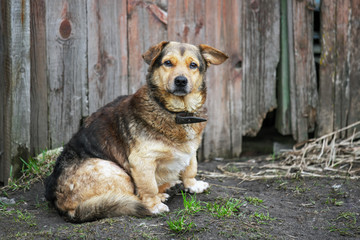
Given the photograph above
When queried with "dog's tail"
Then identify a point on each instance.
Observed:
(108, 205)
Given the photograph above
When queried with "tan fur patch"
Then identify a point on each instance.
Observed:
(93, 178)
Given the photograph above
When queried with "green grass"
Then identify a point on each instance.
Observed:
(345, 224)
(254, 200)
(228, 209)
(334, 201)
(261, 218)
(24, 216)
(181, 225)
(221, 208)
(191, 205)
(19, 216)
(33, 170)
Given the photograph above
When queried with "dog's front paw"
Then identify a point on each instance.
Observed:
(198, 187)
(159, 208)
(163, 196)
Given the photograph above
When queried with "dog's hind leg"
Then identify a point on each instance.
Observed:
(97, 189)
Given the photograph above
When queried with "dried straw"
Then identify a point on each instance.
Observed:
(327, 156)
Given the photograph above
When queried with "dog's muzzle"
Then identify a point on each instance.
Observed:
(181, 86)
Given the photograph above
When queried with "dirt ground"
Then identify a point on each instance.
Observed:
(304, 208)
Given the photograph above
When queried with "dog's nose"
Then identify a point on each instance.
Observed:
(181, 81)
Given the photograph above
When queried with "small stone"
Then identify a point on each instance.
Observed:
(7, 201)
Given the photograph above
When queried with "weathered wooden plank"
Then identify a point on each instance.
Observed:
(233, 66)
(186, 21)
(107, 51)
(282, 122)
(327, 75)
(17, 86)
(217, 137)
(342, 51)
(3, 174)
(354, 65)
(291, 64)
(339, 68)
(66, 33)
(39, 87)
(261, 50)
(145, 29)
(305, 84)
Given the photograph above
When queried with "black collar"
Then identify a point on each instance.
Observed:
(182, 117)
(187, 118)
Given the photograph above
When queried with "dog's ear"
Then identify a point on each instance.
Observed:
(154, 52)
(212, 55)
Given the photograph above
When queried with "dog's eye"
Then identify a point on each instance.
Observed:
(193, 65)
(168, 63)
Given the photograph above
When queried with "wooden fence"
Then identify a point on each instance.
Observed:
(61, 60)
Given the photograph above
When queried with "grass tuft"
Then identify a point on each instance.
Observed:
(182, 225)
(226, 210)
(33, 170)
(191, 205)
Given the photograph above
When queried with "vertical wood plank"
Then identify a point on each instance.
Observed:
(354, 64)
(217, 138)
(292, 85)
(261, 50)
(66, 33)
(339, 68)
(233, 24)
(282, 122)
(107, 51)
(144, 30)
(342, 51)
(39, 87)
(305, 78)
(327, 68)
(3, 174)
(17, 85)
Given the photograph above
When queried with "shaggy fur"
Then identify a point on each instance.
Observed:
(129, 152)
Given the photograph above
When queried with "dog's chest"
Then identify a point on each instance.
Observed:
(179, 159)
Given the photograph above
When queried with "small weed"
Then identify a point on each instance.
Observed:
(227, 210)
(180, 225)
(334, 201)
(299, 190)
(261, 218)
(346, 224)
(24, 217)
(191, 206)
(282, 185)
(254, 200)
(347, 215)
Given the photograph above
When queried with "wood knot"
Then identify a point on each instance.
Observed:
(65, 29)
(254, 5)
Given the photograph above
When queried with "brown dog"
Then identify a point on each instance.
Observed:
(129, 152)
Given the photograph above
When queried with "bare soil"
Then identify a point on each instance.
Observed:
(304, 208)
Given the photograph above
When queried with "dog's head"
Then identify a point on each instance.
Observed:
(177, 73)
